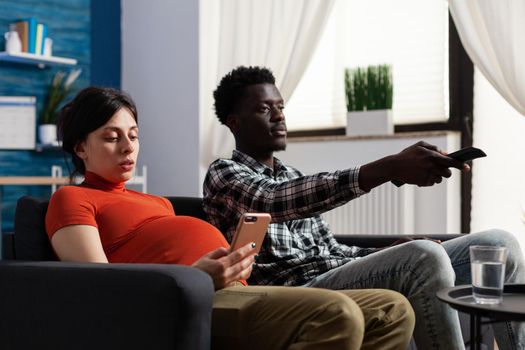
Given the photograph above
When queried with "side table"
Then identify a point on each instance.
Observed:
(512, 308)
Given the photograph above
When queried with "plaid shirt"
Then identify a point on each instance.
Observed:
(299, 245)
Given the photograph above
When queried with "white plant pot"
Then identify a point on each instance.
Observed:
(374, 122)
(47, 134)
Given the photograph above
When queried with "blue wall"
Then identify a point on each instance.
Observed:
(87, 30)
(105, 43)
(69, 25)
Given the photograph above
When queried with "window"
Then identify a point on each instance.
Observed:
(411, 35)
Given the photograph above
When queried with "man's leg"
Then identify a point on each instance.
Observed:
(389, 318)
(416, 269)
(509, 335)
(285, 318)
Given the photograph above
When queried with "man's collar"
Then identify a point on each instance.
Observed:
(245, 159)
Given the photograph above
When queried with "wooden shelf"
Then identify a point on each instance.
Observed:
(38, 60)
(33, 180)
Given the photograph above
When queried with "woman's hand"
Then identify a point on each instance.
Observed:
(225, 268)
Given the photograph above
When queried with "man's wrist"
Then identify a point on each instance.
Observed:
(376, 173)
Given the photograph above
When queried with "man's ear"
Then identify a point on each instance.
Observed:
(80, 150)
(232, 121)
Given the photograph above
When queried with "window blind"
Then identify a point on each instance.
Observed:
(411, 35)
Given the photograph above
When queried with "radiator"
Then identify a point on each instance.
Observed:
(387, 209)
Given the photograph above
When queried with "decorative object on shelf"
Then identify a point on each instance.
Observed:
(369, 95)
(58, 91)
(13, 44)
(48, 47)
(47, 134)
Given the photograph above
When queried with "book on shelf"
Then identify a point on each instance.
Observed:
(31, 41)
(41, 30)
(21, 27)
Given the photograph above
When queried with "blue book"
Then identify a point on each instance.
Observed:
(44, 36)
(31, 31)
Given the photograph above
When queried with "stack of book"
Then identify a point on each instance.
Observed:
(32, 35)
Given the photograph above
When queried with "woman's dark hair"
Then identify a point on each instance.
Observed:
(91, 108)
(233, 86)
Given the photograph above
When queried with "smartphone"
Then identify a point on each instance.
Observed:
(252, 227)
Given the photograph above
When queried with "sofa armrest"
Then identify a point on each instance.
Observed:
(378, 241)
(58, 305)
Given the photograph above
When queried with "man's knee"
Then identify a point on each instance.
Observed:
(495, 237)
(515, 262)
(432, 261)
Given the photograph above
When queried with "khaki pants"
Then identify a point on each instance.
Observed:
(272, 318)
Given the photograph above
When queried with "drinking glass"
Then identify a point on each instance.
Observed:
(487, 265)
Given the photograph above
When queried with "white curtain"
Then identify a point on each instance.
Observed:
(492, 33)
(280, 35)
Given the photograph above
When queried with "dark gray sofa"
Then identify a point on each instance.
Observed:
(46, 304)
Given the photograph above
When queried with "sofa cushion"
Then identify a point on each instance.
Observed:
(31, 241)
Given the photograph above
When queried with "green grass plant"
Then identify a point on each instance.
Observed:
(368, 88)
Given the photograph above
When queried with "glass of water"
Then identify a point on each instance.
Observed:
(488, 272)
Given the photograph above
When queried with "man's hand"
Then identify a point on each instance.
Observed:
(224, 268)
(421, 164)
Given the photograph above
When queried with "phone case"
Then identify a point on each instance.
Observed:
(252, 227)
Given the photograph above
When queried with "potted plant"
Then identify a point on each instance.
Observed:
(58, 90)
(369, 94)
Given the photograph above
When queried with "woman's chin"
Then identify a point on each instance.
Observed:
(121, 177)
(126, 176)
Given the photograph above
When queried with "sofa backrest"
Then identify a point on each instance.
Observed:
(188, 206)
(30, 237)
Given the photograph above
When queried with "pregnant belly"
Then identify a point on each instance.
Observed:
(169, 240)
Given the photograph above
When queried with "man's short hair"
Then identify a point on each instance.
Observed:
(233, 87)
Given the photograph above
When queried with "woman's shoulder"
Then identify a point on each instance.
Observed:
(69, 195)
(70, 190)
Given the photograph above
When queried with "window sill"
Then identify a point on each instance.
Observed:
(397, 135)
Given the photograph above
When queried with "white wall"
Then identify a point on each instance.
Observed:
(437, 208)
(160, 69)
(498, 183)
